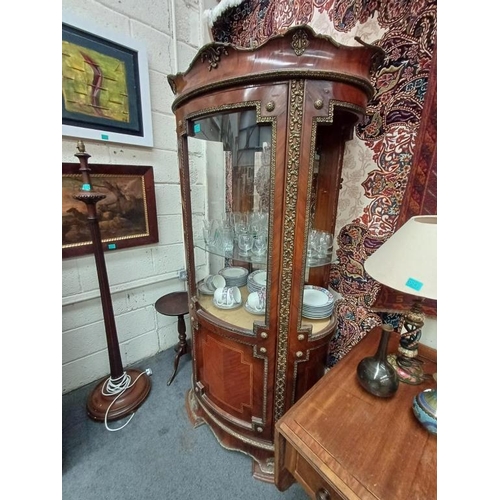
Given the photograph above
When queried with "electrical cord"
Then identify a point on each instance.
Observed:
(118, 386)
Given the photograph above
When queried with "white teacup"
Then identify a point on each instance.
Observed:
(257, 300)
(214, 281)
(227, 296)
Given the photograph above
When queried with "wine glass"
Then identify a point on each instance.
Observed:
(325, 245)
(260, 243)
(245, 242)
(208, 232)
(313, 246)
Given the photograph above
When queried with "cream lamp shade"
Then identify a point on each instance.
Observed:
(407, 261)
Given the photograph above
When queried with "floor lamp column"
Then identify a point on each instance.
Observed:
(123, 391)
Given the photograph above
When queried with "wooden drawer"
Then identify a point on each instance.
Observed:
(312, 480)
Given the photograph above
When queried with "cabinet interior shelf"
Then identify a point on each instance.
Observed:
(235, 254)
(241, 318)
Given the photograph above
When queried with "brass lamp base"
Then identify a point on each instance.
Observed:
(408, 370)
(405, 363)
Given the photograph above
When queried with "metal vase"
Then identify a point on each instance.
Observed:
(375, 374)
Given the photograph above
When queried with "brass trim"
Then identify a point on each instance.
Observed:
(300, 42)
(295, 115)
(277, 75)
(318, 103)
(213, 55)
(264, 388)
(237, 435)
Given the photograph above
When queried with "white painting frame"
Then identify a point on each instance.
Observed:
(103, 129)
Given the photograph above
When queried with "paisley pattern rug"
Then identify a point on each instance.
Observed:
(379, 162)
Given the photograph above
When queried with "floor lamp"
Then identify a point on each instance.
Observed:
(123, 391)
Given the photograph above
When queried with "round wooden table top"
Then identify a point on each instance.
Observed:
(173, 304)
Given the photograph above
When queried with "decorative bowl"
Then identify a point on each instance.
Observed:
(425, 409)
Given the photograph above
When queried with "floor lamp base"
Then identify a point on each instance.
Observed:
(126, 403)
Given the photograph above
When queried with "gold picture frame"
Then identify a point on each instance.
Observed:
(127, 215)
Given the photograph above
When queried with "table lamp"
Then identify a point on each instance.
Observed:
(407, 262)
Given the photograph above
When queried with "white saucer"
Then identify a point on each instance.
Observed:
(251, 310)
(202, 287)
(218, 306)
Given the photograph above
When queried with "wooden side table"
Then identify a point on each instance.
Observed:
(341, 442)
(176, 304)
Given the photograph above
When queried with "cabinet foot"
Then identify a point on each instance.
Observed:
(263, 470)
(193, 410)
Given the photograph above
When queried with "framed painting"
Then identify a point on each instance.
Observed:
(105, 86)
(127, 215)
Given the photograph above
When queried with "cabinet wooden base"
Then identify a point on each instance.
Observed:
(261, 452)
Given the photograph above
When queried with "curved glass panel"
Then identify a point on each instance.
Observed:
(317, 298)
(229, 157)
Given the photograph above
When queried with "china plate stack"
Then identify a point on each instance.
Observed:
(234, 276)
(256, 281)
(317, 302)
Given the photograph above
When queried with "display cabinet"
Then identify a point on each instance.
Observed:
(261, 136)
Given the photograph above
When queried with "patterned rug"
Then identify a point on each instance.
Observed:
(390, 165)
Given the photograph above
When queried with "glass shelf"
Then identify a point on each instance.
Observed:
(252, 258)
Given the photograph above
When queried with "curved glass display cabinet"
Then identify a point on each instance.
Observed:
(261, 136)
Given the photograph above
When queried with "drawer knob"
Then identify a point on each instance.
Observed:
(322, 494)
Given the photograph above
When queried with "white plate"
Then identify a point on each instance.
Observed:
(316, 296)
(258, 278)
(233, 272)
(305, 315)
(218, 306)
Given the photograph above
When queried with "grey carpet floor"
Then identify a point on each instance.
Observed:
(158, 455)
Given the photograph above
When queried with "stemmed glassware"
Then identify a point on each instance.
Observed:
(209, 233)
(325, 245)
(245, 230)
(240, 222)
(319, 246)
(245, 243)
(260, 243)
(312, 246)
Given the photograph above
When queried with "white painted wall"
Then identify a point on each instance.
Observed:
(172, 31)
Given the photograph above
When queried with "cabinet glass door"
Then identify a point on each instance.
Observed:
(229, 157)
(317, 299)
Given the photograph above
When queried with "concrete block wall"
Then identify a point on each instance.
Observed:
(172, 31)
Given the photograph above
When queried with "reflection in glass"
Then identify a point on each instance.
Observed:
(229, 163)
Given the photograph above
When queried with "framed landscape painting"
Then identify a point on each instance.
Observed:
(127, 215)
(105, 86)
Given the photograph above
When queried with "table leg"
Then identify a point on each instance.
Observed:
(182, 346)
